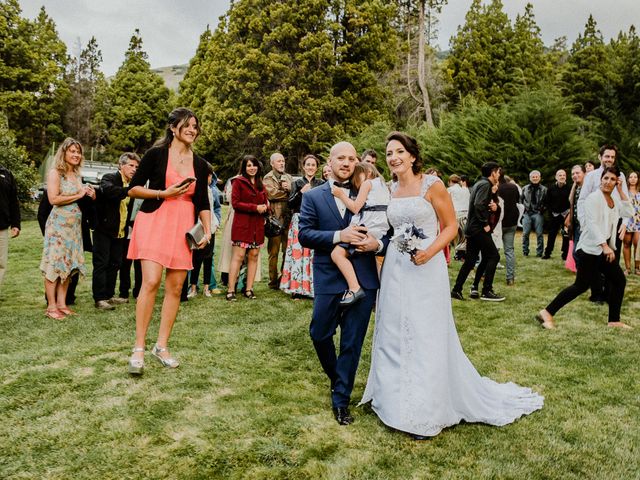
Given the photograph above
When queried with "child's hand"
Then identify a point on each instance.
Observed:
(338, 192)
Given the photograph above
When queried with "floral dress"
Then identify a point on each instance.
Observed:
(62, 255)
(633, 224)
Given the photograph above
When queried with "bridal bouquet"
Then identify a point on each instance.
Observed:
(408, 238)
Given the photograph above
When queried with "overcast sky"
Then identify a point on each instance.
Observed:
(171, 29)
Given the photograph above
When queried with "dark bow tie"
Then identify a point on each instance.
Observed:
(346, 185)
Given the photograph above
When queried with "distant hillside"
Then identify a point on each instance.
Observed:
(172, 75)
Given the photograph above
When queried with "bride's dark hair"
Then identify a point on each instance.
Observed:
(411, 145)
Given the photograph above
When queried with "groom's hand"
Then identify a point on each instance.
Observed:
(353, 234)
(369, 244)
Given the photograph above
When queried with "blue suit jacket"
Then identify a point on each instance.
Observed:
(319, 220)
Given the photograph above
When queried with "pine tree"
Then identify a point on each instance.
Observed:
(84, 78)
(531, 65)
(589, 79)
(134, 107)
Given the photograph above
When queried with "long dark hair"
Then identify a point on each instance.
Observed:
(243, 170)
(410, 144)
(177, 119)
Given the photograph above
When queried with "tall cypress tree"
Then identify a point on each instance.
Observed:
(134, 107)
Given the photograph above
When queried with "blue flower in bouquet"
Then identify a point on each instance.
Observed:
(408, 238)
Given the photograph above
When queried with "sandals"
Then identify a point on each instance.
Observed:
(54, 314)
(167, 362)
(231, 296)
(67, 311)
(136, 365)
(250, 295)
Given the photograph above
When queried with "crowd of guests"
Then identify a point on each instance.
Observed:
(139, 216)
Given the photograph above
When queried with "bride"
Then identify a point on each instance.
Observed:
(420, 380)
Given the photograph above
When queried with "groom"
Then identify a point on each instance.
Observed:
(324, 222)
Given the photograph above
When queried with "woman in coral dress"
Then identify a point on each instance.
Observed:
(175, 196)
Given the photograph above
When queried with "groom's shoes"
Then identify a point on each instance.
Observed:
(342, 415)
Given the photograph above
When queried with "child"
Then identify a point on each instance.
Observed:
(369, 210)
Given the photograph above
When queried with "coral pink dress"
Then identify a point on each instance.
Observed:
(160, 236)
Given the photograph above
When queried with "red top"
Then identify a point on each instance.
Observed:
(248, 224)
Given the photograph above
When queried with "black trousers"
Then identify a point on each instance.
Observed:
(125, 274)
(107, 257)
(476, 244)
(589, 267)
(555, 225)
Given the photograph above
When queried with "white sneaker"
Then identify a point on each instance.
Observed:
(192, 294)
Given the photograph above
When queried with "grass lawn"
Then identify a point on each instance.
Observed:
(250, 399)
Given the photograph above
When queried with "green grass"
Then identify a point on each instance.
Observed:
(250, 400)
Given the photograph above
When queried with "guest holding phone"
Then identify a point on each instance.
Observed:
(174, 198)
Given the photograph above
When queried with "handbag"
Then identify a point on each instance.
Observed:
(272, 226)
(195, 235)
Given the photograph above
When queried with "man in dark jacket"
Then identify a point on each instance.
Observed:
(109, 236)
(534, 200)
(478, 233)
(558, 208)
(9, 215)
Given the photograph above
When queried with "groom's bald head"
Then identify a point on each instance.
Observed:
(342, 159)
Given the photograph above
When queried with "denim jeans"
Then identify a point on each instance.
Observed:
(508, 236)
(535, 221)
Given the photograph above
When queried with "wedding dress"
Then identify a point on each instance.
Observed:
(420, 380)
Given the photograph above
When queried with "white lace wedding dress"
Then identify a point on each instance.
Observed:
(420, 379)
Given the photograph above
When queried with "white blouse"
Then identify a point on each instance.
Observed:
(599, 222)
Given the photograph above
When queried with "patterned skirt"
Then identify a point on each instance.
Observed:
(297, 276)
(62, 255)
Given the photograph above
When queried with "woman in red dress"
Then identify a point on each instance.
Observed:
(174, 198)
(249, 202)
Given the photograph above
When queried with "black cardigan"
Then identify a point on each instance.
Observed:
(295, 198)
(153, 168)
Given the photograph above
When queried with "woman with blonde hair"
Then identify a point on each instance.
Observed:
(62, 256)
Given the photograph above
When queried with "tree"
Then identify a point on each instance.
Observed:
(418, 24)
(134, 107)
(493, 60)
(289, 76)
(32, 86)
(589, 79)
(14, 157)
(84, 78)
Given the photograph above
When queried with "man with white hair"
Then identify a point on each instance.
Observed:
(533, 198)
(278, 186)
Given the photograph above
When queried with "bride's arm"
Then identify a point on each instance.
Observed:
(440, 199)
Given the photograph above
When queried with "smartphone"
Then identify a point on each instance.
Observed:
(187, 181)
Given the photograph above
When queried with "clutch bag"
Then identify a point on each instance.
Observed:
(195, 236)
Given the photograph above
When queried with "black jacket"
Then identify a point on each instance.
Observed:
(295, 198)
(153, 168)
(510, 196)
(479, 199)
(558, 198)
(111, 193)
(9, 206)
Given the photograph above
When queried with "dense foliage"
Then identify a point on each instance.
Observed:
(14, 157)
(297, 76)
(133, 108)
(293, 78)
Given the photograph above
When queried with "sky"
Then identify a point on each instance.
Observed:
(171, 29)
